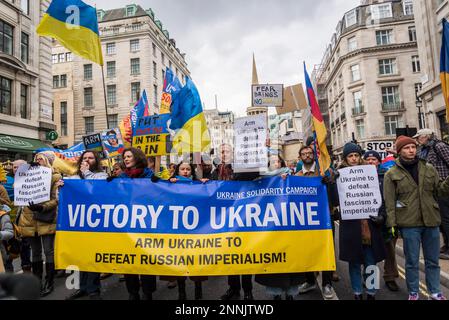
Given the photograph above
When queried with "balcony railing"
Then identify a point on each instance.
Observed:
(358, 110)
(394, 106)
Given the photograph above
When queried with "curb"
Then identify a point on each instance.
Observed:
(444, 277)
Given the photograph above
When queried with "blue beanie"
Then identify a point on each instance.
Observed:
(351, 147)
(372, 153)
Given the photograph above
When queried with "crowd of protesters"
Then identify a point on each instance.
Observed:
(415, 207)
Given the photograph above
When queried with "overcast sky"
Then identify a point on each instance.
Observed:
(220, 36)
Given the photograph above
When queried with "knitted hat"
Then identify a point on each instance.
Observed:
(403, 141)
(351, 147)
(372, 154)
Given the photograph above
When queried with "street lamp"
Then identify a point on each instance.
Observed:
(419, 106)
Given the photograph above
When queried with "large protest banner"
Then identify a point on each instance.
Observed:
(359, 192)
(32, 184)
(218, 228)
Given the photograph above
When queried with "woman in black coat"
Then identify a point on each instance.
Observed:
(360, 241)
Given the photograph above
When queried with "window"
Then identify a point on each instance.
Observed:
(24, 47)
(384, 37)
(54, 58)
(89, 125)
(387, 66)
(135, 66)
(63, 118)
(112, 95)
(136, 26)
(351, 18)
(391, 123)
(155, 70)
(381, 11)
(412, 33)
(68, 57)
(55, 81)
(129, 11)
(134, 45)
(63, 81)
(5, 95)
(390, 98)
(358, 106)
(416, 65)
(352, 44)
(408, 7)
(88, 72)
(154, 50)
(340, 82)
(25, 6)
(360, 128)
(163, 58)
(163, 74)
(88, 99)
(355, 72)
(24, 101)
(155, 92)
(170, 65)
(110, 48)
(113, 121)
(110, 69)
(61, 58)
(135, 91)
(6, 36)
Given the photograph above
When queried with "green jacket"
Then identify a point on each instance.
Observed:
(409, 205)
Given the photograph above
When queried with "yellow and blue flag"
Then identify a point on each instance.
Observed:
(444, 66)
(188, 121)
(74, 24)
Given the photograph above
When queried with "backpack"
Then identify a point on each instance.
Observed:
(13, 246)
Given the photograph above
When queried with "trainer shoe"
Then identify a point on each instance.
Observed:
(437, 296)
(444, 255)
(306, 287)
(392, 286)
(328, 292)
(413, 297)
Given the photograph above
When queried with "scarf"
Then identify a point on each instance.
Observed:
(134, 173)
(412, 168)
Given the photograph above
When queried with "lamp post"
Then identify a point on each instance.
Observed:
(419, 106)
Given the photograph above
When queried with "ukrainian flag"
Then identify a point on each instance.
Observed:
(324, 159)
(444, 65)
(188, 121)
(74, 24)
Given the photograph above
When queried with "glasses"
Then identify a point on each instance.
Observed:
(306, 154)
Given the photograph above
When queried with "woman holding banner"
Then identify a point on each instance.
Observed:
(136, 167)
(361, 241)
(38, 222)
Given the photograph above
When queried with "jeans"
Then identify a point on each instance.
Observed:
(355, 272)
(135, 282)
(444, 212)
(48, 243)
(430, 239)
(247, 283)
(90, 282)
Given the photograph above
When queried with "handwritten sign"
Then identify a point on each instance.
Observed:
(32, 184)
(151, 135)
(268, 95)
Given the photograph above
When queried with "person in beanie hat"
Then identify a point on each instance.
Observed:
(410, 188)
(372, 154)
(361, 242)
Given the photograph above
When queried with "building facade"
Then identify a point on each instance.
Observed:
(26, 114)
(221, 128)
(137, 50)
(371, 72)
(428, 17)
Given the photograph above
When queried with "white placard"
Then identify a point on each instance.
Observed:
(250, 143)
(268, 95)
(359, 192)
(379, 146)
(32, 184)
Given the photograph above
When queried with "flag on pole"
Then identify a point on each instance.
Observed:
(141, 109)
(74, 24)
(172, 85)
(188, 121)
(444, 66)
(319, 127)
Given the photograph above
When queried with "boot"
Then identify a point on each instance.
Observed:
(182, 295)
(198, 290)
(38, 269)
(49, 279)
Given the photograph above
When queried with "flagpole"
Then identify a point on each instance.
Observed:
(105, 99)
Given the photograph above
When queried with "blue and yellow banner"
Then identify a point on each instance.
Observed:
(74, 24)
(189, 228)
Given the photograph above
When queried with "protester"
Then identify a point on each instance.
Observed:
(118, 168)
(6, 228)
(136, 167)
(38, 223)
(279, 284)
(436, 152)
(391, 272)
(89, 168)
(171, 169)
(361, 242)
(204, 170)
(410, 188)
(185, 172)
(310, 169)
